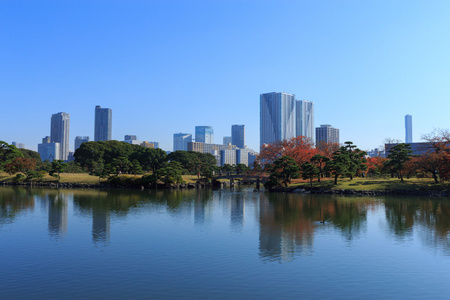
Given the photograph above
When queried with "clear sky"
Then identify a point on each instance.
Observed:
(166, 66)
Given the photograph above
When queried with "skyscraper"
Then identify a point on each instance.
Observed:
(277, 117)
(103, 124)
(305, 119)
(80, 140)
(408, 129)
(204, 134)
(181, 140)
(327, 134)
(59, 133)
(238, 136)
(226, 140)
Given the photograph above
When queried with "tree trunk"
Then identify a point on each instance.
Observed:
(335, 179)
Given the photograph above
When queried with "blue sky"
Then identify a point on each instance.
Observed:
(166, 66)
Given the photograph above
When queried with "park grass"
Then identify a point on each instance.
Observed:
(375, 184)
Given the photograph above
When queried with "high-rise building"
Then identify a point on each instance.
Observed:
(80, 140)
(59, 133)
(103, 124)
(238, 136)
(130, 137)
(46, 140)
(204, 134)
(305, 119)
(227, 140)
(277, 117)
(18, 145)
(181, 140)
(327, 134)
(408, 129)
(49, 151)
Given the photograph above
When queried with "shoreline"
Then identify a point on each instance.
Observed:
(217, 184)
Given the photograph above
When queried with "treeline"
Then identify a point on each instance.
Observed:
(109, 158)
(295, 158)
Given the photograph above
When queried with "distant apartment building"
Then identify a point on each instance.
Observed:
(408, 129)
(80, 140)
(327, 133)
(242, 156)
(59, 133)
(376, 152)
(416, 148)
(18, 145)
(131, 139)
(103, 124)
(196, 147)
(49, 151)
(181, 140)
(305, 119)
(227, 140)
(227, 157)
(146, 144)
(204, 134)
(238, 136)
(155, 144)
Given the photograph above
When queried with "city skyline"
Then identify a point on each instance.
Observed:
(364, 64)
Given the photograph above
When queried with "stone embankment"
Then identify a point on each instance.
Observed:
(428, 193)
(198, 184)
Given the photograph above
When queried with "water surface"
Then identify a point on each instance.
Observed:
(120, 244)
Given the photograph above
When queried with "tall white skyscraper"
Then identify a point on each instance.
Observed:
(103, 124)
(305, 119)
(59, 133)
(408, 129)
(277, 117)
(181, 140)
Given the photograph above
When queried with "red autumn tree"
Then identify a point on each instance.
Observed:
(299, 148)
(376, 165)
(21, 164)
(327, 149)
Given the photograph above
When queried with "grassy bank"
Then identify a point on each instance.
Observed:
(375, 184)
(82, 178)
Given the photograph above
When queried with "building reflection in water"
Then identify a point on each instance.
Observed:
(203, 208)
(284, 233)
(57, 213)
(101, 217)
(237, 212)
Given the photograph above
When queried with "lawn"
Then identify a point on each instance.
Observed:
(373, 184)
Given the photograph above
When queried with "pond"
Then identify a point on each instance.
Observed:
(221, 244)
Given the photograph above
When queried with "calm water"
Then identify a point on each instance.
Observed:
(72, 244)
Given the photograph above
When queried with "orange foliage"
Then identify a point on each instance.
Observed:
(299, 148)
(327, 149)
(375, 164)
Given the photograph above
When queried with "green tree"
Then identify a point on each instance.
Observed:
(339, 163)
(284, 169)
(309, 170)
(8, 153)
(136, 167)
(57, 168)
(356, 159)
(241, 168)
(171, 173)
(121, 165)
(320, 162)
(398, 156)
